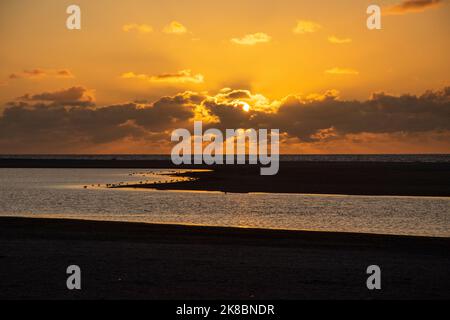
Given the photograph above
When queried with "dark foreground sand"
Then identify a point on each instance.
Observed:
(141, 261)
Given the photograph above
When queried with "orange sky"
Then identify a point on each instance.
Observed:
(142, 51)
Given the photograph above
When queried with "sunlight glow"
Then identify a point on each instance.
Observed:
(245, 106)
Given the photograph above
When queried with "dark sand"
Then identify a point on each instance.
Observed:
(352, 178)
(142, 261)
(355, 178)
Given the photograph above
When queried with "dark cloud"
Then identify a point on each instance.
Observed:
(381, 114)
(309, 119)
(238, 94)
(75, 96)
(65, 124)
(58, 121)
(407, 6)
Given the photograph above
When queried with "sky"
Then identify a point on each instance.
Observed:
(139, 69)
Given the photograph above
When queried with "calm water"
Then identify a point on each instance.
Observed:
(60, 193)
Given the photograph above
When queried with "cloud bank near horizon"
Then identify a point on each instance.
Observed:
(68, 121)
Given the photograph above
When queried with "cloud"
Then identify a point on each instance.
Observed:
(336, 40)
(175, 28)
(57, 122)
(181, 77)
(140, 28)
(252, 39)
(412, 6)
(75, 96)
(305, 26)
(382, 114)
(314, 118)
(341, 71)
(33, 126)
(42, 73)
(324, 134)
(372, 143)
(64, 73)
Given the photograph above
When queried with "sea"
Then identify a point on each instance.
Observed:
(82, 194)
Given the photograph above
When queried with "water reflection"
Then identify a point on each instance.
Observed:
(60, 193)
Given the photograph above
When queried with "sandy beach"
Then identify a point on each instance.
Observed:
(143, 261)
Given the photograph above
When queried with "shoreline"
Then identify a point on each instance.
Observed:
(306, 177)
(196, 228)
(231, 229)
(153, 261)
(321, 178)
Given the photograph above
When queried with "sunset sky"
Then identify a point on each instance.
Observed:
(140, 68)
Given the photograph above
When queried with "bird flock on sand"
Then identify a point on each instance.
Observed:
(144, 182)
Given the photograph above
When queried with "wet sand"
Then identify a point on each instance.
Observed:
(349, 178)
(144, 261)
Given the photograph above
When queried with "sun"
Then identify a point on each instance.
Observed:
(245, 107)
